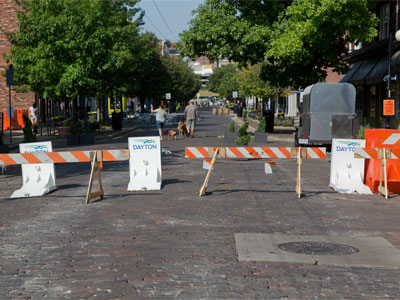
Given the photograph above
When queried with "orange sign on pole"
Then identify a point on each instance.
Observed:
(388, 107)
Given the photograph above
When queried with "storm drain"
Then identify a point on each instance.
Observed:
(318, 248)
(366, 251)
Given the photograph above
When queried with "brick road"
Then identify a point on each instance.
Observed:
(172, 244)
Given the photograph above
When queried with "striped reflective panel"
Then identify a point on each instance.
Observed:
(372, 153)
(255, 152)
(61, 157)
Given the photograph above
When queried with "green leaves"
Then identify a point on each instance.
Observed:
(295, 40)
(68, 47)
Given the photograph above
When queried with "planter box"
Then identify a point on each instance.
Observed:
(4, 148)
(73, 139)
(261, 137)
(62, 132)
(86, 139)
(230, 137)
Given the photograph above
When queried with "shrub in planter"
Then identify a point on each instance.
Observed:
(243, 136)
(230, 135)
(73, 137)
(244, 115)
(63, 130)
(87, 137)
(261, 136)
(361, 131)
(29, 137)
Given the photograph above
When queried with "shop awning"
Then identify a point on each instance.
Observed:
(370, 71)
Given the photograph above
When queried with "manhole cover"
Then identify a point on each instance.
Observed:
(318, 248)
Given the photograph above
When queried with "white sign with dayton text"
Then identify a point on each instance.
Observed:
(144, 163)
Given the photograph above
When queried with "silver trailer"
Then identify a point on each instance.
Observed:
(327, 111)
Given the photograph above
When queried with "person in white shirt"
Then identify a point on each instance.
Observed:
(161, 115)
(33, 116)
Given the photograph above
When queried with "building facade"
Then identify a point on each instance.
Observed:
(370, 69)
(8, 22)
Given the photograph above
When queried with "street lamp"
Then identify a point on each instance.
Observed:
(388, 78)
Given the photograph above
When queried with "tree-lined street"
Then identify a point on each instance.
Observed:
(172, 244)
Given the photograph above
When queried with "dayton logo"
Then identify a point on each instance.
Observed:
(348, 146)
(145, 145)
(36, 148)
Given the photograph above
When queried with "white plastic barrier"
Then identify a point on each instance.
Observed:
(347, 173)
(37, 179)
(144, 163)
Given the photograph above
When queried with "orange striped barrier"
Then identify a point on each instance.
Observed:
(96, 157)
(255, 152)
(376, 153)
(62, 157)
(383, 154)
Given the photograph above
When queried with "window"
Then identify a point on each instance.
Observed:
(384, 19)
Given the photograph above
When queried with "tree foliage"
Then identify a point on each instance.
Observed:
(224, 80)
(250, 83)
(295, 40)
(184, 84)
(66, 48)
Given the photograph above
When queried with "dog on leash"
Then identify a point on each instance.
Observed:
(171, 134)
(182, 129)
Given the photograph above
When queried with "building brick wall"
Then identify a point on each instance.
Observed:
(8, 21)
(332, 77)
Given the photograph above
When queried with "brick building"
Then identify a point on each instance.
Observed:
(8, 21)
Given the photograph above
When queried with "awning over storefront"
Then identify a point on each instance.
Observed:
(370, 71)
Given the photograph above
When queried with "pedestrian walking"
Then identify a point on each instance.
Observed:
(33, 116)
(161, 115)
(191, 115)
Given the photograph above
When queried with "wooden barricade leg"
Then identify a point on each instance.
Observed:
(300, 154)
(205, 184)
(298, 179)
(96, 164)
(383, 189)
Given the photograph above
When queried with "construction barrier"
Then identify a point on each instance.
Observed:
(144, 163)
(16, 121)
(47, 178)
(254, 152)
(347, 173)
(382, 138)
(382, 154)
(38, 179)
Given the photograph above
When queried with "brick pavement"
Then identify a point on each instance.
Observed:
(171, 244)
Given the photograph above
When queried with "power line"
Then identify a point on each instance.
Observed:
(162, 17)
(154, 25)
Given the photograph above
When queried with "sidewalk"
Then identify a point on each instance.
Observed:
(105, 133)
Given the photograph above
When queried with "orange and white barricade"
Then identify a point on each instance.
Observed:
(48, 179)
(255, 152)
(382, 154)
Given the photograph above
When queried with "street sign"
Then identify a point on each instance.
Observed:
(10, 112)
(168, 96)
(388, 107)
(234, 94)
(10, 75)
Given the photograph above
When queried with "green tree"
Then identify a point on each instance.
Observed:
(184, 83)
(224, 80)
(251, 84)
(296, 40)
(66, 48)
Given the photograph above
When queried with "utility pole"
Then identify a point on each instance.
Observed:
(10, 82)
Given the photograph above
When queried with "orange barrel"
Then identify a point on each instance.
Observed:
(6, 121)
(20, 120)
(382, 138)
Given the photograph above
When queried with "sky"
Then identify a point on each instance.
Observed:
(176, 13)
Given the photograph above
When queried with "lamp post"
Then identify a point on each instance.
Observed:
(388, 78)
